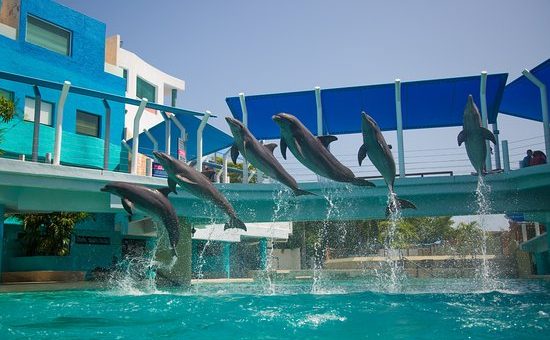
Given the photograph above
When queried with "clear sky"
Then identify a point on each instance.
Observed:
(221, 48)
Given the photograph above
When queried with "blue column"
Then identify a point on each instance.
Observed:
(263, 253)
(227, 259)
(1, 237)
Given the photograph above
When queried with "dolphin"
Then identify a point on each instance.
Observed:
(153, 202)
(375, 146)
(260, 156)
(473, 134)
(313, 151)
(198, 185)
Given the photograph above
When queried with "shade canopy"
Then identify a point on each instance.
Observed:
(425, 104)
(212, 141)
(522, 98)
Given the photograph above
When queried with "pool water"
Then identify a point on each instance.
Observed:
(421, 309)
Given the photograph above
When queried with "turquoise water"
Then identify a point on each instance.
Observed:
(352, 309)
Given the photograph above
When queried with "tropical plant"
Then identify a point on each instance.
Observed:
(49, 234)
(7, 109)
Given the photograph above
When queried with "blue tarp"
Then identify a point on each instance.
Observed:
(425, 104)
(522, 98)
(213, 139)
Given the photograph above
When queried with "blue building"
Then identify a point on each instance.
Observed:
(45, 40)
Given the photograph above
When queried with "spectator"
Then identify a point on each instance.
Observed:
(538, 158)
(527, 159)
(209, 172)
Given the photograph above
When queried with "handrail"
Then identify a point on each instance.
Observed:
(421, 174)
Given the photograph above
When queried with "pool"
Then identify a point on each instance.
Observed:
(422, 309)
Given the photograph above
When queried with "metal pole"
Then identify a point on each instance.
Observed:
(496, 132)
(152, 139)
(399, 120)
(245, 123)
(225, 178)
(128, 148)
(544, 106)
(199, 139)
(183, 133)
(59, 123)
(107, 139)
(505, 156)
(319, 111)
(167, 132)
(483, 97)
(135, 135)
(36, 131)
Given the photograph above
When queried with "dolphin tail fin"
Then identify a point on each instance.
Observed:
(402, 204)
(234, 222)
(300, 192)
(362, 182)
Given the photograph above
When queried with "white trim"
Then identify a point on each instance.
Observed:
(113, 69)
(8, 31)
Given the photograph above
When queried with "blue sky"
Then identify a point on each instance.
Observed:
(221, 48)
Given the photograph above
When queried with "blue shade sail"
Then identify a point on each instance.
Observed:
(213, 139)
(425, 104)
(522, 98)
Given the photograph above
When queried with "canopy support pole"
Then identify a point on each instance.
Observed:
(59, 123)
(245, 123)
(135, 136)
(505, 156)
(199, 140)
(36, 131)
(107, 137)
(167, 132)
(544, 106)
(152, 139)
(399, 120)
(225, 178)
(128, 148)
(483, 97)
(319, 111)
(183, 133)
(496, 132)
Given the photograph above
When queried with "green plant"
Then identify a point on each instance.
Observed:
(7, 109)
(49, 234)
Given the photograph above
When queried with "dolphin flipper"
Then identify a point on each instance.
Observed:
(128, 206)
(283, 148)
(234, 153)
(487, 134)
(362, 153)
(271, 146)
(362, 182)
(326, 140)
(185, 179)
(165, 191)
(300, 192)
(234, 222)
(172, 185)
(461, 138)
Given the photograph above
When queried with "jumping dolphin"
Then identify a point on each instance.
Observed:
(198, 185)
(312, 151)
(473, 134)
(260, 156)
(375, 146)
(153, 202)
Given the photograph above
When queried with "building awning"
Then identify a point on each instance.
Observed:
(213, 139)
(522, 98)
(425, 104)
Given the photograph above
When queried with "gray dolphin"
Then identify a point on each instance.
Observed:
(375, 146)
(153, 202)
(473, 134)
(198, 185)
(260, 156)
(313, 151)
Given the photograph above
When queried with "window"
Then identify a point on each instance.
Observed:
(146, 90)
(9, 95)
(46, 111)
(125, 76)
(49, 36)
(87, 124)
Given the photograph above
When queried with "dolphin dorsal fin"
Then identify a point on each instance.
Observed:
(326, 140)
(165, 191)
(234, 153)
(283, 148)
(128, 206)
(271, 146)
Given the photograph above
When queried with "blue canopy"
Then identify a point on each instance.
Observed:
(522, 98)
(425, 104)
(212, 141)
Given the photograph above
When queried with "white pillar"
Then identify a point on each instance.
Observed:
(199, 139)
(496, 132)
(399, 120)
(505, 156)
(544, 106)
(183, 133)
(537, 229)
(483, 97)
(523, 232)
(135, 142)
(319, 111)
(129, 149)
(59, 123)
(245, 123)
